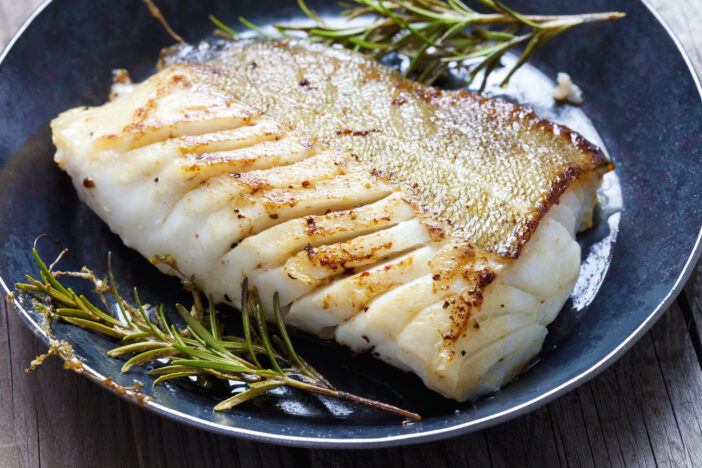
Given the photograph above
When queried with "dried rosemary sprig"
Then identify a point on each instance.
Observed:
(436, 33)
(200, 349)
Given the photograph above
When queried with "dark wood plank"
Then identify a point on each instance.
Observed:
(365, 458)
(162, 442)
(570, 430)
(470, 450)
(56, 417)
(683, 381)
(685, 19)
(12, 15)
(11, 446)
(619, 415)
(527, 441)
(648, 398)
(691, 306)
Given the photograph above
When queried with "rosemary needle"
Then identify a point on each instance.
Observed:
(434, 33)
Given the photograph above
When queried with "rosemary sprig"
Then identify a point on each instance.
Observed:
(200, 349)
(436, 33)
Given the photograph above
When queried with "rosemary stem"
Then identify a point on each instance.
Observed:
(434, 32)
(499, 18)
(408, 415)
(584, 18)
(194, 351)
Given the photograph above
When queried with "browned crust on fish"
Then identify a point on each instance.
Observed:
(507, 113)
(569, 155)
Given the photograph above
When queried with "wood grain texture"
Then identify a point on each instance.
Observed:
(645, 410)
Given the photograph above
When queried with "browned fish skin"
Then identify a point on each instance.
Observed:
(500, 166)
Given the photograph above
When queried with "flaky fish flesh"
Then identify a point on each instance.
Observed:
(435, 229)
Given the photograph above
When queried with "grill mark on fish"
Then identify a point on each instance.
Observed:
(284, 203)
(256, 182)
(245, 159)
(353, 295)
(146, 128)
(372, 281)
(316, 264)
(330, 228)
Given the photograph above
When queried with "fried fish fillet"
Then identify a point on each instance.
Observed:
(434, 229)
(489, 168)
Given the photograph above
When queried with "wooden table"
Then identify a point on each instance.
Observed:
(644, 410)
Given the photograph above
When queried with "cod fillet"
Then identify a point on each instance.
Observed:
(435, 229)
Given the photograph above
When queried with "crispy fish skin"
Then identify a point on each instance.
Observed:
(184, 166)
(501, 167)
